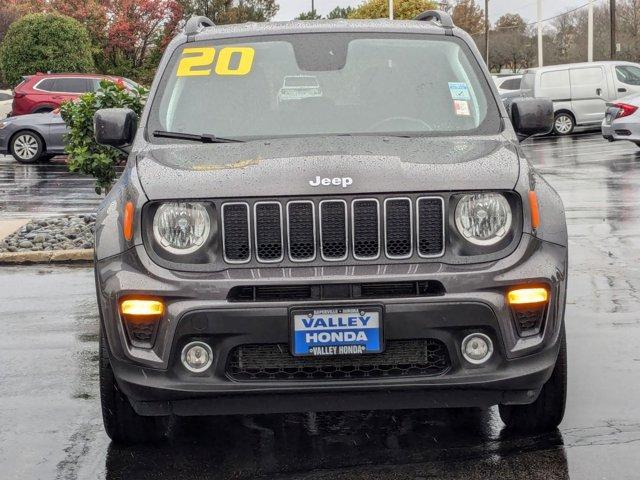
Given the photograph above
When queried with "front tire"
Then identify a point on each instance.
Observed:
(26, 147)
(546, 413)
(563, 123)
(121, 422)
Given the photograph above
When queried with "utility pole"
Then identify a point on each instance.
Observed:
(590, 33)
(486, 32)
(313, 8)
(612, 11)
(390, 9)
(540, 61)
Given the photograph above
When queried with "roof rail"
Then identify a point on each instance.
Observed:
(197, 23)
(437, 16)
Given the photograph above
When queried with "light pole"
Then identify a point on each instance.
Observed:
(390, 9)
(612, 11)
(590, 33)
(540, 61)
(486, 32)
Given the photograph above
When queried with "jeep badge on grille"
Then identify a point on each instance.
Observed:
(337, 181)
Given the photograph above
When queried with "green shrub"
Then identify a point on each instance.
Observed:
(43, 42)
(85, 155)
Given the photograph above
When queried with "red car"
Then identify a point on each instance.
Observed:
(41, 92)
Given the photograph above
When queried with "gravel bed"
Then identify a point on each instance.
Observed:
(53, 233)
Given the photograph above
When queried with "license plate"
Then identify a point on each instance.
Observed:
(336, 331)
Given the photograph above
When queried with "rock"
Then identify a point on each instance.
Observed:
(39, 238)
(25, 244)
(12, 249)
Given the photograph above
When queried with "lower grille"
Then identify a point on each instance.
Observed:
(401, 358)
(334, 291)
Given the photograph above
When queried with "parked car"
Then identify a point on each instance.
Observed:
(580, 91)
(367, 251)
(33, 138)
(507, 83)
(622, 120)
(42, 93)
(297, 87)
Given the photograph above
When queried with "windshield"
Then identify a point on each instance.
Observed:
(324, 84)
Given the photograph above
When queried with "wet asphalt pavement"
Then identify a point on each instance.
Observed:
(50, 425)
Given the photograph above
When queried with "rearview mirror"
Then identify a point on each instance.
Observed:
(531, 116)
(115, 127)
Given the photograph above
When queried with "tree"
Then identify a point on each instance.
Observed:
(339, 12)
(468, 16)
(230, 11)
(311, 15)
(135, 27)
(406, 9)
(8, 14)
(511, 21)
(510, 43)
(44, 42)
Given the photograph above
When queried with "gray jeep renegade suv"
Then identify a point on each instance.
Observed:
(370, 238)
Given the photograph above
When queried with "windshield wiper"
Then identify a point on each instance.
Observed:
(204, 138)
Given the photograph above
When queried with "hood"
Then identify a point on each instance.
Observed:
(360, 165)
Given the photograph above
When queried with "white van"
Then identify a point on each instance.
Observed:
(580, 91)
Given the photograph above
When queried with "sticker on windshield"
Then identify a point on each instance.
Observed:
(459, 91)
(230, 61)
(462, 108)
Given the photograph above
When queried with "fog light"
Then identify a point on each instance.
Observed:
(477, 348)
(197, 357)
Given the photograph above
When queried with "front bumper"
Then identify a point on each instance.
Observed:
(197, 308)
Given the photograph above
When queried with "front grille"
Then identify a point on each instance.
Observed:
(268, 228)
(334, 291)
(401, 358)
(398, 227)
(366, 228)
(333, 230)
(430, 226)
(302, 231)
(235, 236)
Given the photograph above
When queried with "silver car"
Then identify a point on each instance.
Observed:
(33, 138)
(622, 120)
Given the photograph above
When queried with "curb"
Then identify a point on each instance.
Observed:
(49, 256)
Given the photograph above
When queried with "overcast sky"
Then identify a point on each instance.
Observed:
(527, 8)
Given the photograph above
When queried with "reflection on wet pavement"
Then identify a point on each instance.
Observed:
(44, 189)
(50, 425)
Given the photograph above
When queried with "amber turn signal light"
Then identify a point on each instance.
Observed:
(535, 209)
(525, 296)
(141, 307)
(127, 222)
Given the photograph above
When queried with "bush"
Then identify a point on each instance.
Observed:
(404, 10)
(44, 42)
(85, 155)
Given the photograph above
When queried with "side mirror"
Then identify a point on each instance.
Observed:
(531, 116)
(115, 127)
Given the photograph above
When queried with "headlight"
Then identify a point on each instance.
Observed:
(483, 218)
(181, 227)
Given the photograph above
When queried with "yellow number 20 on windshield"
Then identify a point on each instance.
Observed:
(195, 60)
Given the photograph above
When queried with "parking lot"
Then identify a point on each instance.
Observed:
(50, 424)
